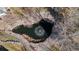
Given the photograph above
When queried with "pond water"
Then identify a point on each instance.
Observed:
(40, 30)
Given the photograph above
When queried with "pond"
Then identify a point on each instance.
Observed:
(40, 30)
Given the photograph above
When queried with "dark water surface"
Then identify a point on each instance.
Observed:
(45, 27)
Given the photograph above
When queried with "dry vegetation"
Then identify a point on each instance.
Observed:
(65, 33)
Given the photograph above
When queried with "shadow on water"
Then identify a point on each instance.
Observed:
(55, 12)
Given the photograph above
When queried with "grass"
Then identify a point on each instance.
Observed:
(2, 32)
(13, 47)
(54, 48)
(7, 38)
(10, 46)
(4, 36)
